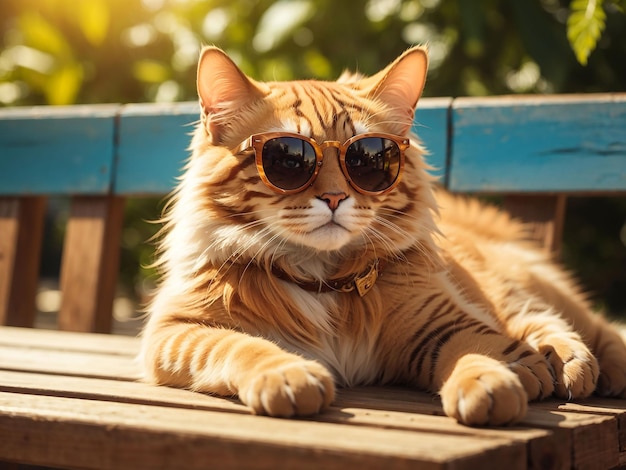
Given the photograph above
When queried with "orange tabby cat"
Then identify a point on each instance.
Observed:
(304, 249)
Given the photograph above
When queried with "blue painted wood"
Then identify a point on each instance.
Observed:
(539, 144)
(431, 126)
(153, 142)
(502, 144)
(56, 150)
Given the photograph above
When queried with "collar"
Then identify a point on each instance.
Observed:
(361, 282)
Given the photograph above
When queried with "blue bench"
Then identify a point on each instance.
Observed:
(70, 399)
(534, 150)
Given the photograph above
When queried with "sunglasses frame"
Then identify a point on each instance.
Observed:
(257, 141)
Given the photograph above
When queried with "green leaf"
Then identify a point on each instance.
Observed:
(40, 34)
(64, 84)
(151, 71)
(93, 19)
(585, 24)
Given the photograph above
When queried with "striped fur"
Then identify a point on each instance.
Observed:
(464, 307)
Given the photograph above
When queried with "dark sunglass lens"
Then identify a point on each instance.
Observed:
(288, 162)
(373, 163)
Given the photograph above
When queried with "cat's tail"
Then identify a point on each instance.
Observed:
(478, 217)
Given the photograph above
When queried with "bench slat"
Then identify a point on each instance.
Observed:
(90, 263)
(348, 408)
(145, 436)
(57, 150)
(153, 142)
(431, 126)
(21, 229)
(115, 345)
(539, 144)
(73, 364)
(541, 445)
(564, 143)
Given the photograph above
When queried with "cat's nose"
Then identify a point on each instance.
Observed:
(333, 199)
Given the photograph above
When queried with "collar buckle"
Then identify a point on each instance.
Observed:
(366, 281)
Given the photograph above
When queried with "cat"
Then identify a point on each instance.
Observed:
(293, 263)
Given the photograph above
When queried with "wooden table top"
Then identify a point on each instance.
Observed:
(76, 400)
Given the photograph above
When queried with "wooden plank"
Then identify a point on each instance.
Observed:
(95, 434)
(542, 446)
(591, 427)
(57, 150)
(90, 263)
(593, 439)
(431, 126)
(545, 216)
(116, 345)
(347, 409)
(111, 389)
(153, 143)
(69, 363)
(599, 406)
(385, 408)
(21, 226)
(554, 143)
(587, 438)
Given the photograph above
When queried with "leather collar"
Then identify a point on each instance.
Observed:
(361, 282)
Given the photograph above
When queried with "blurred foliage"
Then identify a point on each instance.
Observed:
(89, 51)
(95, 51)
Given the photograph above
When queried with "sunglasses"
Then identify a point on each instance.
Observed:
(289, 163)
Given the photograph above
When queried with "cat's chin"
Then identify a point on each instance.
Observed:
(328, 237)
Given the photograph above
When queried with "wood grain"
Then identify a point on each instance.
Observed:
(90, 263)
(141, 436)
(153, 143)
(57, 149)
(21, 232)
(560, 143)
(115, 345)
(83, 388)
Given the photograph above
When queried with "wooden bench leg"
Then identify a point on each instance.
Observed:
(544, 214)
(21, 230)
(90, 263)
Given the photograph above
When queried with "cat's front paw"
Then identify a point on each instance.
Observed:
(576, 370)
(536, 375)
(301, 388)
(483, 391)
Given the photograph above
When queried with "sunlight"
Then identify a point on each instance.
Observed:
(279, 20)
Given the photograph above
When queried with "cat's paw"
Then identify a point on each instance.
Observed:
(612, 380)
(576, 370)
(612, 359)
(301, 388)
(535, 374)
(483, 391)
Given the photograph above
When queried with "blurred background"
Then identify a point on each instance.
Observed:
(60, 52)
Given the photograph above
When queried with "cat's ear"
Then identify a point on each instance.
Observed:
(223, 89)
(400, 86)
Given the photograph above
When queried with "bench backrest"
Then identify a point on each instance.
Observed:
(535, 150)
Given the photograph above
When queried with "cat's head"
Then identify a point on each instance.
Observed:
(256, 188)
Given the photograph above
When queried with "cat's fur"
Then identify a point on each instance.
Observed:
(463, 306)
